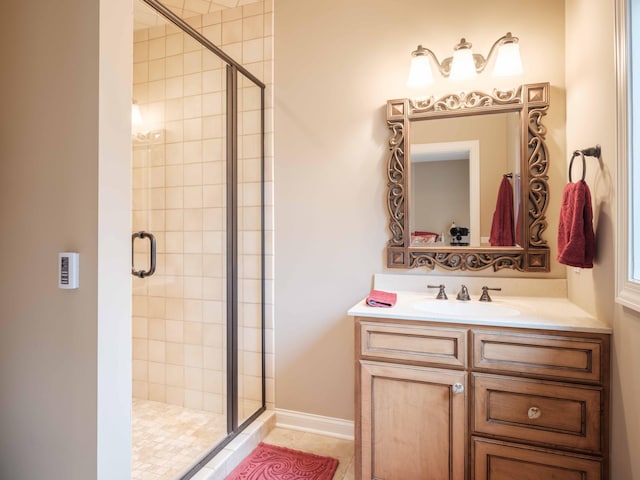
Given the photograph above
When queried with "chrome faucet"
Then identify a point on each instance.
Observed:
(485, 294)
(441, 293)
(463, 294)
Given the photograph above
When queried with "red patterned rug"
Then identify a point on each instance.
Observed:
(268, 462)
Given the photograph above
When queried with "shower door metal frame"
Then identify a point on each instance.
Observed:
(233, 68)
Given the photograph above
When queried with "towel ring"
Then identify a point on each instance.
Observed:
(584, 164)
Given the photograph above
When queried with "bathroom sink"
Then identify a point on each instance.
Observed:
(464, 310)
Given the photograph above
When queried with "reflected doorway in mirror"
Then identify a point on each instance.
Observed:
(445, 183)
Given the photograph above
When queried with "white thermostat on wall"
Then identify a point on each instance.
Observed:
(68, 270)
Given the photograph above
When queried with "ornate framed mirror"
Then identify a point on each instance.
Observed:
(498, 135)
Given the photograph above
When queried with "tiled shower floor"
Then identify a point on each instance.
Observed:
(168, 439)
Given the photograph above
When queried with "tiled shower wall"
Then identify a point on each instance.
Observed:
(179, 194)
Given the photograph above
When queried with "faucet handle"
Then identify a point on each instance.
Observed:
(463, 294)
(485, 293)
(441, 293)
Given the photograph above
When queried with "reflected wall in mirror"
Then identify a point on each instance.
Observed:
(477, 166)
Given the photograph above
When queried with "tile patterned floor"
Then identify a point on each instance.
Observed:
(168, 439)
(343, 450)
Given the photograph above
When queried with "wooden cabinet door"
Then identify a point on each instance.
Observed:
(413, 424)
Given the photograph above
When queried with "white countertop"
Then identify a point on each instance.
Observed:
(548, 313)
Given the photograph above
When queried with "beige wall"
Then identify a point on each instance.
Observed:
(591, 119)
(64, 157)
(336, 64)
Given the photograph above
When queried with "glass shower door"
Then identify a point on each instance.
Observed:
(198, 321)
(179, 196)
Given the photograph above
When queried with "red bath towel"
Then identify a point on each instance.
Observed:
(502, 225)
(576, 239)
(378, 298)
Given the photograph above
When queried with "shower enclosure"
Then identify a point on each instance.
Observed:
(198, 255)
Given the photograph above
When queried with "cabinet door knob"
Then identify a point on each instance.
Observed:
(457, 388)
(534, 412)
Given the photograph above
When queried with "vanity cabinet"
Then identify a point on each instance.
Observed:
(448, 401)
(412, 392)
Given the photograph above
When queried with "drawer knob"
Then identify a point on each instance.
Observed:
(534, 412)
(457, 388)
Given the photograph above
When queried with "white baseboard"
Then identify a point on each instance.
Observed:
(308, 422)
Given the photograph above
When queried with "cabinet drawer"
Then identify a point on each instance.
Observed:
(571, 358)
(546, 413)
(502, 461)
(418, 344)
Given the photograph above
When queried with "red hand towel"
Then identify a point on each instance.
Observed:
(378, 298)
(576, 238)
(502, 225)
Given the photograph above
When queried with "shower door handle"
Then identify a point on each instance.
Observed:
(152, 254)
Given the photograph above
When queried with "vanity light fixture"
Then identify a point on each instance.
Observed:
(464, 63)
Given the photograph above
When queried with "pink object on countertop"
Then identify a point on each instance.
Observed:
(378, 298)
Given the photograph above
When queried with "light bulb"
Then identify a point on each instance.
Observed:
(462, 65)
(420, 73)
(508, 61)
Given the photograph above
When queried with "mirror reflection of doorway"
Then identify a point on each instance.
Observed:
(445, 191)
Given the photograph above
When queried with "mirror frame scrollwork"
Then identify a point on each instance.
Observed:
(533, 255)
